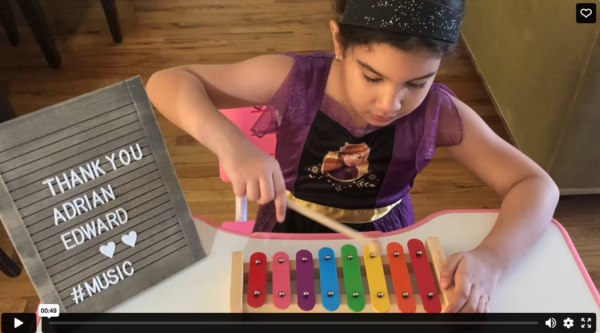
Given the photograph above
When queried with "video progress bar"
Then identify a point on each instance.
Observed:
(294, 323)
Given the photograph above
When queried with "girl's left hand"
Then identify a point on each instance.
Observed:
(474, 275)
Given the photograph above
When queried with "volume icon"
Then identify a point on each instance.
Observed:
(551, 322)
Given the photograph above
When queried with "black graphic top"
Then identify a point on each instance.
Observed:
(340, 170)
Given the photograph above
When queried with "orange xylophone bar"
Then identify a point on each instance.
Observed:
(348, 283)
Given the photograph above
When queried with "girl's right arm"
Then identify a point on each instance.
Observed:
(191, 97)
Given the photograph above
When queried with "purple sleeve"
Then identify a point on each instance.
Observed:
(442, 126)
(299, 96)
(449, 127)
(270, 120)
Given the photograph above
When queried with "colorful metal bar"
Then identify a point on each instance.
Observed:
(380, 299)
(257, 280)
(305, 280)
(330, 296)
(400, 278)
(424, 276)
(355, 296)
(281, 280)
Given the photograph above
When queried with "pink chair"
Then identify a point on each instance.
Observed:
(244, 119)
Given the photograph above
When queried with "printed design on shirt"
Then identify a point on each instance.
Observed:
(346, 168)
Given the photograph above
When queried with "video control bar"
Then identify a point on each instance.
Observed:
(193, 322)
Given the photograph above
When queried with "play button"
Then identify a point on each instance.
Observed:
(19, 323)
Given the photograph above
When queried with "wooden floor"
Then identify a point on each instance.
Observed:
(159, 34)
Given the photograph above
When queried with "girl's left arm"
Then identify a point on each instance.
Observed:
(529, 194)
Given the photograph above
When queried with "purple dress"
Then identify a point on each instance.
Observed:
(313, 131)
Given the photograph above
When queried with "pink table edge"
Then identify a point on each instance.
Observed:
(333, 236)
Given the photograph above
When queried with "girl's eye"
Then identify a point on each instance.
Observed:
(370, 80)
(416, 86)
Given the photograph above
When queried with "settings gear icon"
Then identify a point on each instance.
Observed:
(568, 322)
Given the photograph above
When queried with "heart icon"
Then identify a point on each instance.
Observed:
(586, 10)
(108, 249)
(130, 238)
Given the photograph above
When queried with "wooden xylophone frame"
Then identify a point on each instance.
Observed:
(432, 252)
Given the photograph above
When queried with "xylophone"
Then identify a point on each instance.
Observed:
(333, 282)
(205, 287)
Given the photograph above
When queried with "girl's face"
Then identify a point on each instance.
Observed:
(381, 83)
(353, 159)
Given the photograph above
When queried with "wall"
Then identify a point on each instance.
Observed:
(577, 161)
(533, 57)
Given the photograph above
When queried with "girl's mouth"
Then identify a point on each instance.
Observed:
(382, 119)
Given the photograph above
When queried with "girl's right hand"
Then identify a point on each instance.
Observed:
(256, 175)
(191, 96)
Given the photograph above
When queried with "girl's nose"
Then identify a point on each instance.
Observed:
(389, 104)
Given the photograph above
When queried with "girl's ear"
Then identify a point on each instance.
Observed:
(335, 34)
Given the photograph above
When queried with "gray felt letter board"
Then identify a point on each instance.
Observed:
(91, 201)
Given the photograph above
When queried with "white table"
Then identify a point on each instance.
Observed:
(549, 278)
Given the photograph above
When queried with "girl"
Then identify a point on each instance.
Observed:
(375, 91)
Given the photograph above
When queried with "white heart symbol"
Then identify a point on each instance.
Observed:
(130, 238)
(108, 249)
(587, 10)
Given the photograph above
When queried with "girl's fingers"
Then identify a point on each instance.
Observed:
(481, 305)
(449, 270)
(280, 198)
(239, 188)
(472, 302)
(266, 190)
(253, 190)
(462, 292)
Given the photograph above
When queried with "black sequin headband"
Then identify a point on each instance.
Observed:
(415, 17)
